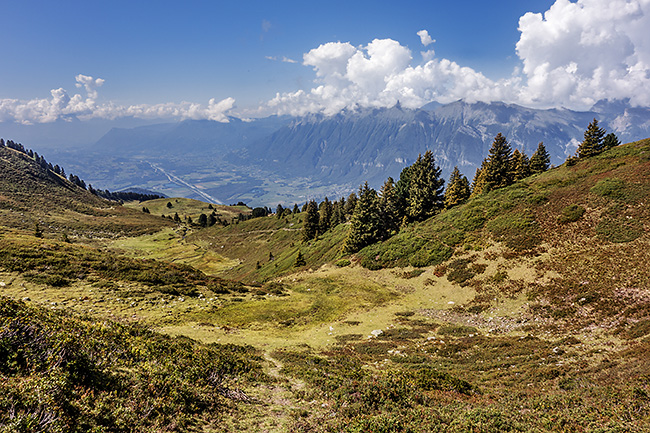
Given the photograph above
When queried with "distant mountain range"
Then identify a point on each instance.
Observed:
(283, 159)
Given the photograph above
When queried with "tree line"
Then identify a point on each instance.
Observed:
(419, 193)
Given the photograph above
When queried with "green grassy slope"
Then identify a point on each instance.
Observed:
(585, 225)
(30, 195)
(266, 248)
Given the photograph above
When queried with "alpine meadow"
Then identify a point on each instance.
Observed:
(372, 237)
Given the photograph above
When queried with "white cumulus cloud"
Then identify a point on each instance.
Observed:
(65, 107)
(573, 55)
(425, 38)
(578, 53)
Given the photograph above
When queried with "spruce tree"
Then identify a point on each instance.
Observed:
(593, 141)
(457, 190)
(402, 192)
(296, 209)
(520, 165)
(310, 226)
(426, 188)
(389, 211)
(365, 224)
(350, 205)
(337, 214)
(497, 169)
(610, 140)
(540, 161)
(325, 215)
(300, 260)
(203, 220)
(278, 211)
(478, 183)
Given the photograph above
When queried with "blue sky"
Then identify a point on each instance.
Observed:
(170, 58)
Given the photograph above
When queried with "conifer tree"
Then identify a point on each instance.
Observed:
(479, 186)
(497, 169)
(177, 219)
(325, 216)
(203, 220)
(278, 211)
(426, 188)
(296, 209)
(389, 209)
(300, 260)
(310, 226)
(212, 220)
(337, 214)
(402, 192)
(457, 190)
(350, 205)
(540, 161)
(610, 140)
(365, 224)
(593, 141)
(520, 165)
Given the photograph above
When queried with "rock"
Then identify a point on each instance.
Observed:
(376, 332)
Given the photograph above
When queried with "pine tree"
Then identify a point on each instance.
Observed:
(610, 140)
(300, 260)
(212, 220)
(177, 219)
(350, 205)
(365, 224)
(337, 214)
(425, 189)
(593, 141)
(296, 210)
(203, 220)
(540, 161)
(520, 165)
(310, 226)
(325, 216)
(497, 169)
(389, 210)
(278, 211)
(457, 190)
(402, 192)
(479, 186)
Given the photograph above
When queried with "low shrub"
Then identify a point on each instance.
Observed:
(571, 213)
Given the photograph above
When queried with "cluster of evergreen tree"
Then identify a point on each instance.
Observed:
(503, 167)
(416, 196)
(319, 218)
(596, 140)
(122, 195)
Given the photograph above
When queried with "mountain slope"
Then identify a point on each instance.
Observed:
(583, 231)
(31, 195)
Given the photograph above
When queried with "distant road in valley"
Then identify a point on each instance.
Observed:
(177, 180)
